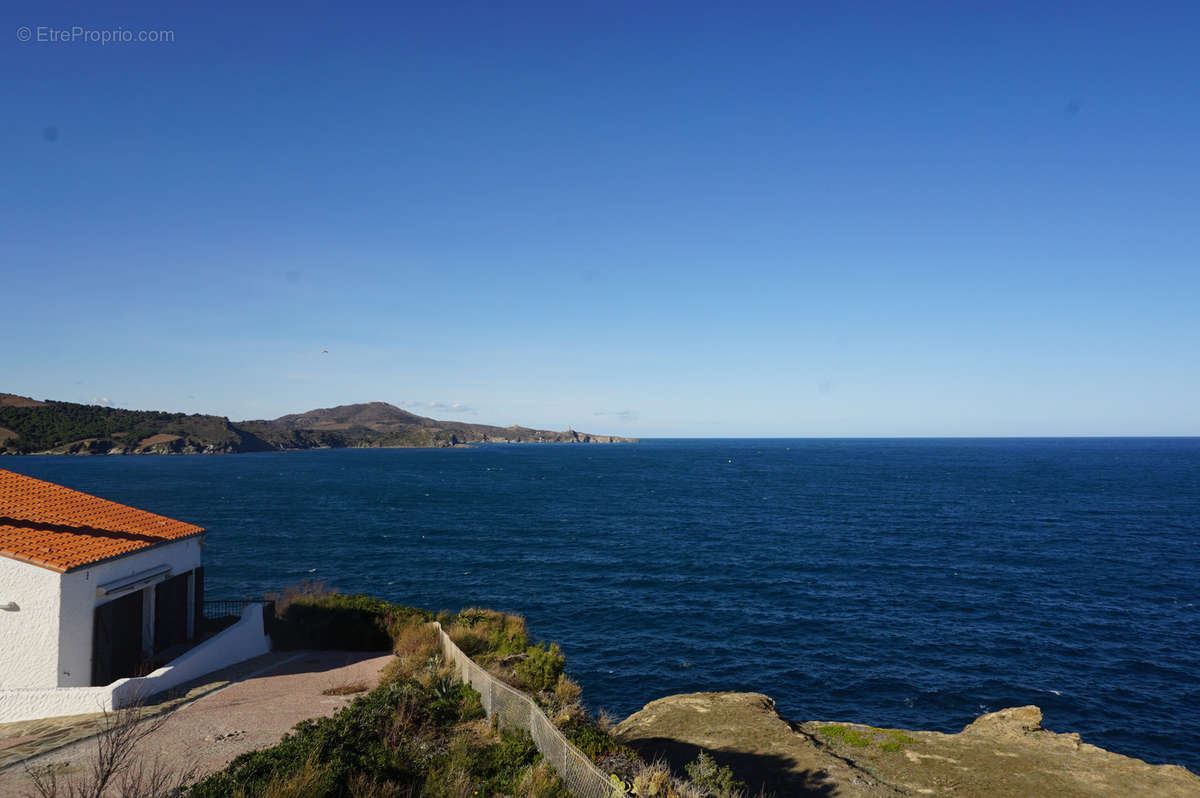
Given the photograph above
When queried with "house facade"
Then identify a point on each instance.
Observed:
(90, 590)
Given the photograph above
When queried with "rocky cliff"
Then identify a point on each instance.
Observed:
(1005, 754)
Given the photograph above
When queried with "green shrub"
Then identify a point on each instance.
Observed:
(349, 743)
(472, 705)
(540, 781)
(847, 735)
(541, 667)
(406, 737)
(471, 616)
(312, 779)
(716, 780)
(504, 763)
(487, 635)
(336, 621)
(505, 641)
(454, 703)
(594, 741)
(893, 739)
(453, 774)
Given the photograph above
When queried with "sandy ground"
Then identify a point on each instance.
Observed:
(252, 712)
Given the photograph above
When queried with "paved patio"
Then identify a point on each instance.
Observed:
(239, 709)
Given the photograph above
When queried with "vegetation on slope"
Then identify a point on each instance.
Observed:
(422, 733)
(98, 429)
(28, 426)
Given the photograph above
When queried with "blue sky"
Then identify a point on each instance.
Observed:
(646, 219)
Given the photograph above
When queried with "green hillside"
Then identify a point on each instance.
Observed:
(30, 426)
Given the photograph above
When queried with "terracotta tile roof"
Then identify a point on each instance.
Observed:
(61, 529)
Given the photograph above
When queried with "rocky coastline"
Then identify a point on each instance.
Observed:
(1004, 754)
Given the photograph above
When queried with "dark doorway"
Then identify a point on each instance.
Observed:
(171, 612)
(117, 639)
(198, 611)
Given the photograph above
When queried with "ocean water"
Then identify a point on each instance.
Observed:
(909, 583)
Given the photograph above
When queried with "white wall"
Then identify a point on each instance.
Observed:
(29, 634)
(240, 642)
(34, 703)
(245, 639)
(79, 599)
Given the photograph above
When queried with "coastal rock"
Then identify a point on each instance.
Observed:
(1013, 723)
(1004, 754)
(744, 731)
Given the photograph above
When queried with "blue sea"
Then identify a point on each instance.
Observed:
(904, 583)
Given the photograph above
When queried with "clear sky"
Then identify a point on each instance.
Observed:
(643, 218)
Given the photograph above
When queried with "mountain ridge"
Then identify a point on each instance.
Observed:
(30, 426)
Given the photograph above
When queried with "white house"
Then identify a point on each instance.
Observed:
(90, 590)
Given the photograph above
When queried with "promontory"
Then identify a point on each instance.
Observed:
(31, 426)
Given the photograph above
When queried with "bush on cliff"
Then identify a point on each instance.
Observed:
(336, 621)
(716, 780)
(541, 667)
(417, 734)
(402, 738)
(486, 635)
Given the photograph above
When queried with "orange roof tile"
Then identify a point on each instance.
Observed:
(62, 529)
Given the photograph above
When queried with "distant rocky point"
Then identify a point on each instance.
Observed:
(30, 426)
(1005, 754)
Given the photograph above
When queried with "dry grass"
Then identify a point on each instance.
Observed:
(567, 691)
(418, 652)
(471, 641)
(406, 721)
(488, 634)
(605, 721)
(656, 779)
(349, 688)
(539, 781)
(652, 780)
(417, 641)
(364, 786)
(302, 783)
(513, 626)
(454, 779)
(494, 640)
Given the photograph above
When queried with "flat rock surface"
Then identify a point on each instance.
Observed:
(744, 731)
(248, 713)
(1004, 754)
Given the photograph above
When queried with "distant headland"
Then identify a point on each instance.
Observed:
(31, 426)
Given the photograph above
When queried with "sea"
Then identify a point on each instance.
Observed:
(895, 582)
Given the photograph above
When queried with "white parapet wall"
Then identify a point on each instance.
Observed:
(31, 703)
(242, 641)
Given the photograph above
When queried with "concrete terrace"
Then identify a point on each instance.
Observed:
(242, 708)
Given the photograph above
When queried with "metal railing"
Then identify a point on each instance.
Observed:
(515, 710)
(232, 608)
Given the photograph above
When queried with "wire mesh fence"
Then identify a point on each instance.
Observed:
(515, 710)
(232, 608)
